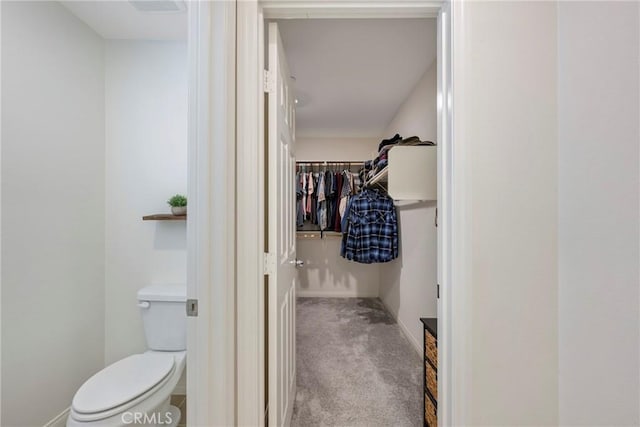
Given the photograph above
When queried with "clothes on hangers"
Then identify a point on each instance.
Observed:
(322, 197)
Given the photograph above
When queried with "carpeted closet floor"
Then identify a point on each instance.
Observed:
(354, 366)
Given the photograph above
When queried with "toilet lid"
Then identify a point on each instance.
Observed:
(122, 382)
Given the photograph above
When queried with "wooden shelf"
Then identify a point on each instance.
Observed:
(316, 234)
(410, 175)
(380, 177)
(164, 217)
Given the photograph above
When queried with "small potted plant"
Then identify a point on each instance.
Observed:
(178, 204)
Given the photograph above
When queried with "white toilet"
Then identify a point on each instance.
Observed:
(136, 390)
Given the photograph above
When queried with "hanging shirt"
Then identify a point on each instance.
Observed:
(344, 224)
(372, 229)
(346, 184)
(304, 192)
(322, 202)
(336, 217)
(309, 194)
(356, 183)
(299, 209)
(342, 207)
(329, 196)
(314, 199)
(345, 191)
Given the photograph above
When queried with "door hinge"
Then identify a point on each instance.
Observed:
(192, 308)
(438, 287)
(269, 263)
(267, 81)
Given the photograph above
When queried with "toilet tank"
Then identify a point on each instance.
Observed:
(164, 316)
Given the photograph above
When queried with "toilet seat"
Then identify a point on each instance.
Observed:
(122, 385)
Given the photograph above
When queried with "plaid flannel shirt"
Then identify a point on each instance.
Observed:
(372, 229)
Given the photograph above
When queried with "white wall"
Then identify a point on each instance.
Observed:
(506, 72)
(336, 149)
(417, 116)
(325, 272)
(599, 179)
(146, 131)
(52, 209)
(408, 284)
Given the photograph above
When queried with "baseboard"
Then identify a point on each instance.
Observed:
(60, 420)
(334, 294)
(181, 389)
(414, 341)
(416, 345)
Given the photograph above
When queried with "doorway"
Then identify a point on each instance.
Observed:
(358, 85)
(250, 109)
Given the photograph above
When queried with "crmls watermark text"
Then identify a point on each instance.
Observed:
(141, 418)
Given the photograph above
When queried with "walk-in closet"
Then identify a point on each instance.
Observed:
(364, 138)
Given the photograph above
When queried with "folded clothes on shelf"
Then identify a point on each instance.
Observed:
(390, 141)
(371, 168)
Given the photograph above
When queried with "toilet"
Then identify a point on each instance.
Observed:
(136, 390)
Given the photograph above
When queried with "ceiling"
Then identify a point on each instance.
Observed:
(351, 76)
(118, 19)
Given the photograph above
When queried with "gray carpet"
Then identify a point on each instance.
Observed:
(354, 366)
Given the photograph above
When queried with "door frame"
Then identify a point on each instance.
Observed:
(211, 239)
(454, 232)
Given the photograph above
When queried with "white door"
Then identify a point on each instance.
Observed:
(281, 236)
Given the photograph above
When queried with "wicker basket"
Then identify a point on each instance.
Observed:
(430, 348)
(431, 378)
(430, 412)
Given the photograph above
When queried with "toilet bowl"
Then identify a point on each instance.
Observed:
(136, 390)
(133, 391)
